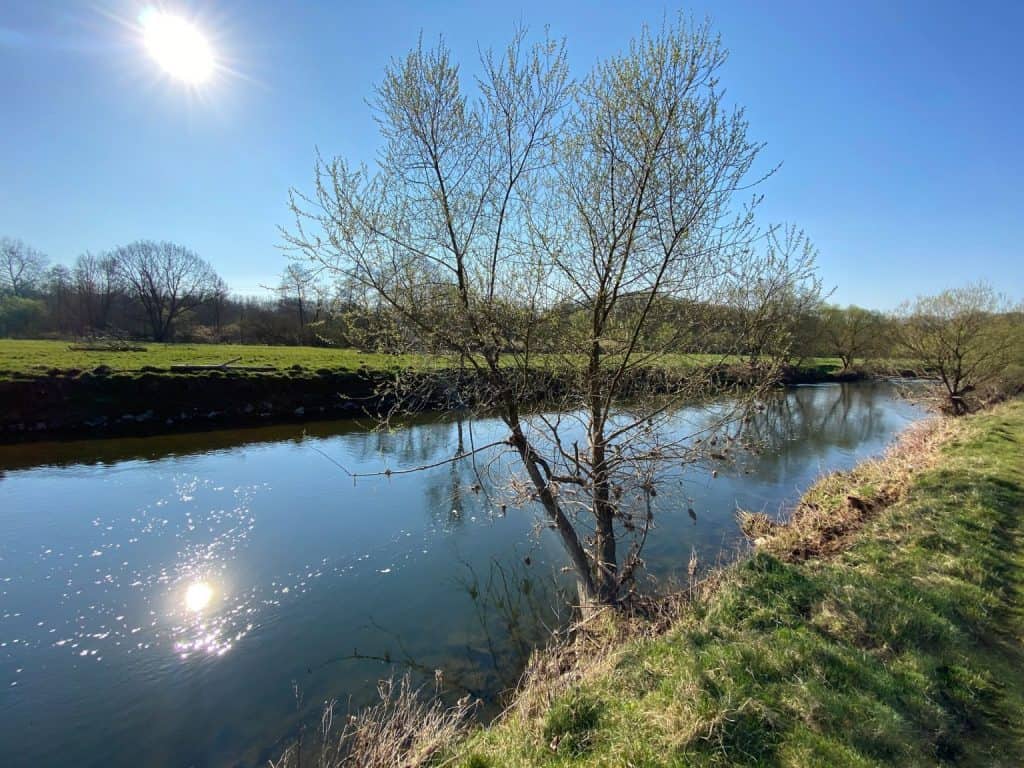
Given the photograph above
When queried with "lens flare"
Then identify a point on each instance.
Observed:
(177, 46)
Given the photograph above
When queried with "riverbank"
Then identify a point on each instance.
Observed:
(881, 627)
(48, 390)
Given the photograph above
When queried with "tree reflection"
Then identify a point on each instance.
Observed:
(805, 422)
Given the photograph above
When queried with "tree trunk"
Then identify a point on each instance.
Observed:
(562, 525)
(605, 557)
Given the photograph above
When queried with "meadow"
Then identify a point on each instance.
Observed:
(28, 358)
(22, 358)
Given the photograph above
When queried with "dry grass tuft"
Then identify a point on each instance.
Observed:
(405, 730)
(595, 644)
(755, 525)
(840, 503)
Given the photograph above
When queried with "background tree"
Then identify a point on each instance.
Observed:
(20, 316)
(219, 294)
(489, 222)
(97, 285)
(166, 279)
(775, 298)
(58, 289)
(964, 336)
(21, 267)
(294, 292)
(852, 333)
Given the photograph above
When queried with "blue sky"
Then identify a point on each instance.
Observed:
(899, 125)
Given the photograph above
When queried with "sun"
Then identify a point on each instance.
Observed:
(178, 46)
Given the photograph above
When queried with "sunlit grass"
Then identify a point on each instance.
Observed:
(903, 649)
(35, 358)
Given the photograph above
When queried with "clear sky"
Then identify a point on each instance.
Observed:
(900, 125)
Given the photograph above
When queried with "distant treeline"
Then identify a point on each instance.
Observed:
(164, 292)
(151, 291)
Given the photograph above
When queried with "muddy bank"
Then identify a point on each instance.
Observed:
(106, 403)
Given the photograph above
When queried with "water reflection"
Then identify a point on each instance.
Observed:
(198, 596)
(163, 594)
(517, 606)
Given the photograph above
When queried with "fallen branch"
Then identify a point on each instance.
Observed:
(105, 347)
(225, 366)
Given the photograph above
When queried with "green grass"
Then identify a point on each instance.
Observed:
(26, 358)
(904, 649)
(34, 358)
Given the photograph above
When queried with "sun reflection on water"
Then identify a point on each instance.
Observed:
(203, 629)
(198, 596)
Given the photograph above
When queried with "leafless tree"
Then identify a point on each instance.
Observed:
(297, 283)
(167, 280)
(219, 293)
(535, 235)
(21, 266)
(96, 284)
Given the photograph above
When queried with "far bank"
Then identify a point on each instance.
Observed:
(49, 390)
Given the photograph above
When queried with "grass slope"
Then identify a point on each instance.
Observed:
(902, 648)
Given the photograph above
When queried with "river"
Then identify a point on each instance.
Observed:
(191, 600)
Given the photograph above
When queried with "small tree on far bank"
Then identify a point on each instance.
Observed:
(295, 290)
(851, 333)
(167, 280)
(963, 336)
(778, 295)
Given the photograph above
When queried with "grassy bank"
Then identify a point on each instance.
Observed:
(50, 388)
(882, 627)
(20, 358)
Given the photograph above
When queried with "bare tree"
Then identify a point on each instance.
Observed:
(21, 266)
(960, 335)
(219, 293)
(490, 223)
(297, 283)
(167, 279)
(96, 284)
(59, 288)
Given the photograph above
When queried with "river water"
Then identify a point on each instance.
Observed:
(192, 600)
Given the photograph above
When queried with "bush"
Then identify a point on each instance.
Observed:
(20, 316)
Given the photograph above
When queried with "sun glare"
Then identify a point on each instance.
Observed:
(198, 596)
(177, 46)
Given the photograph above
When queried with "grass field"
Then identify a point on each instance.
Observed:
(902, 649)
(35, 358)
